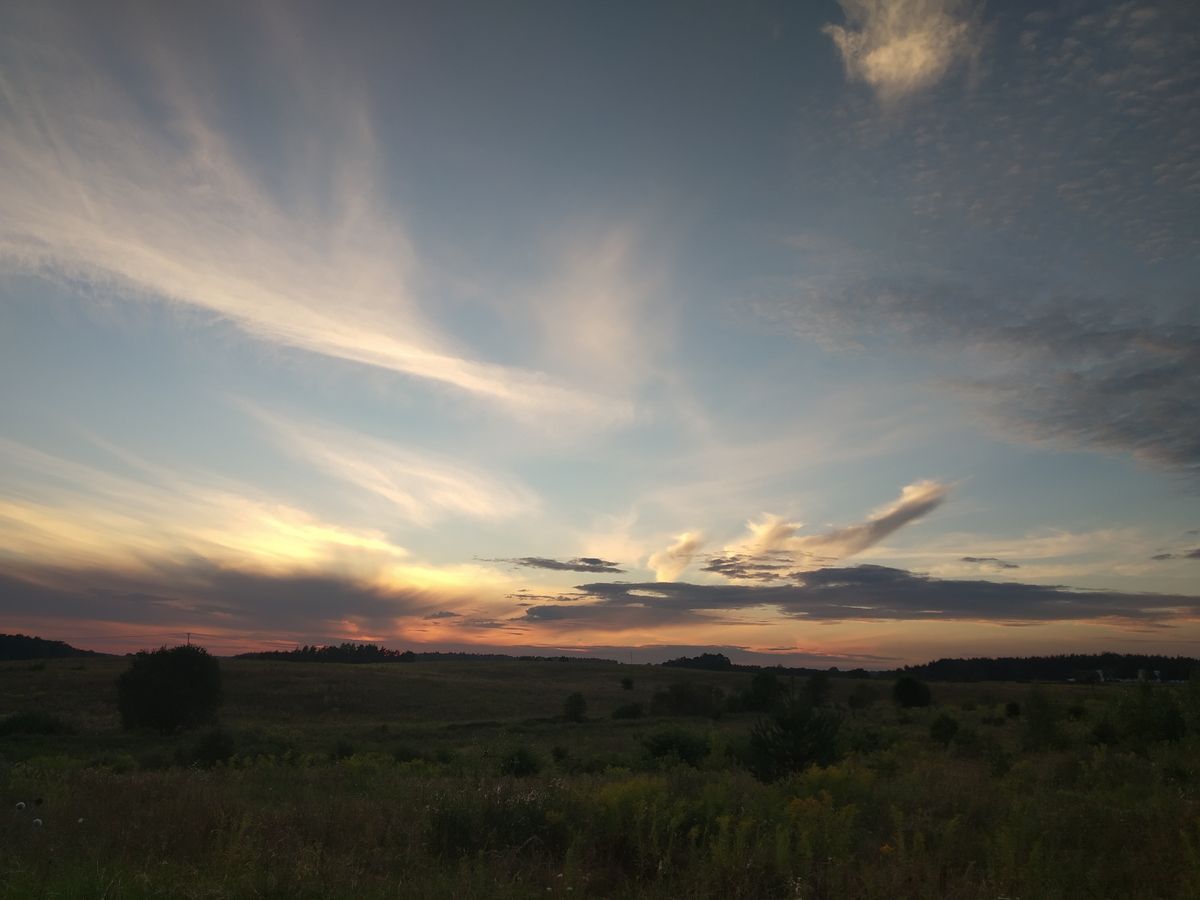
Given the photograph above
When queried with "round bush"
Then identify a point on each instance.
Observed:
(169, 688)
(909, 692)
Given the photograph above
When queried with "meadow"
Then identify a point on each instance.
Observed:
(468, 779)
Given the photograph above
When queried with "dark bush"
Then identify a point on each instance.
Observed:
(1012, 709)
(686, 698)
(943, 729)
(520, 761)
(909, 692)
(628, 711)
(211, 748)
(1148, 715)
(766, 690)
(575, 708)
(862, 696)
(167, 689)
(794, 737)
(1041, 722)
(627, 684)
(687, 746)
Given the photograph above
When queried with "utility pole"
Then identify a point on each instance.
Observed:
(189, 634)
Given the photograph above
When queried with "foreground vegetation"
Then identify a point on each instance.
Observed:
(391, 781)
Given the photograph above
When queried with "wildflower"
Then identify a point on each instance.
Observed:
(20, 805)
(37, 823)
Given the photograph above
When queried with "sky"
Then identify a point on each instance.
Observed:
(847, 334)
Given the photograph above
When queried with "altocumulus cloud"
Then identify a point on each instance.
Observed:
(864, 592)
(902, 46)
(775, 546)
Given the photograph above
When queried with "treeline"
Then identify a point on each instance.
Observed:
(374, 653)
(1087, 667)
(719, 662)
(22, 646)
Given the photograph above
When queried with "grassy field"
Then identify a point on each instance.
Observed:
(462, 779)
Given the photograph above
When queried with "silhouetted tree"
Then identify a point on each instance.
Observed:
(169, 688)
(909, 692)
(575, 708)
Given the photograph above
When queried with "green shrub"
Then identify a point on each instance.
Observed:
(686, 746)
(211, 748)
(1041, 718)
(943, 729)
(794, 737)
(627, 684)
(520, 761)
(169, 689)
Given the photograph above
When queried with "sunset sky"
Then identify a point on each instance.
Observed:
(845, 333)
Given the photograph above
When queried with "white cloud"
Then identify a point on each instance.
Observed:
(422, 488)
(902, 46)
(772, 534)
(670, 563)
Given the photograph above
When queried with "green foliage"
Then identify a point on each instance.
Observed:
(676, 744)
(943, 729)
(794, 737)
(575, 707)
(169, 689)
(908, 692)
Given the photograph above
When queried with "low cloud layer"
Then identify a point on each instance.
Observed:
(235, 605)
(864, 592)
(899, 47)
(989, 562)
(578, 564)
(1190, 554)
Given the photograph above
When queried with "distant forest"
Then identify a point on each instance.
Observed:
(1066, 667)
(22, 646)
(1077, 666)
(373, 653)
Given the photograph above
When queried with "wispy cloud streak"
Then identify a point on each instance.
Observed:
(94, 187)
